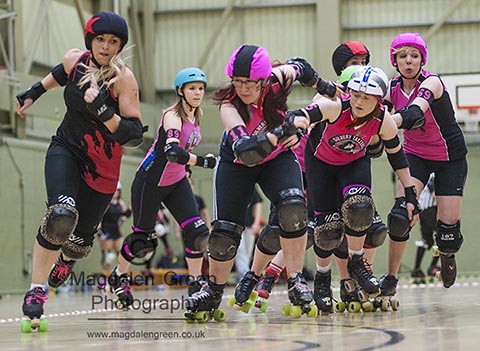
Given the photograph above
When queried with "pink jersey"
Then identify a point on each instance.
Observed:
(440, 139)
(299, 151)
(337, 145)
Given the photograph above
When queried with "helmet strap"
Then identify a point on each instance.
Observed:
(95, 61)
(185, 99)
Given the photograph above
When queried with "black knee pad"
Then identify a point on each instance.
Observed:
(224, 240)
(449, 238)
(77, 247)
(398, 222)
(322, 253)
(376, 234)
(329, 231)
(58, 223)
(310, 234)
(195, 238)
(292, 212)
(269, 240)
(342, 250)
(357, 210)
(139, 247)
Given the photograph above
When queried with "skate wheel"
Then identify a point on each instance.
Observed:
(313, 311)
(350, 286)
(362, 295)
(339, 306)
(395, 304)
(43, 325)
(219, 315)
(262, 305)
(296, 311)
(354, 307)
(367, 306)
(286, 310)
(384, 305)
(245, 308)
(188, 320)
(26, 326)
(253, 296)
(231, 301)
(202, 316)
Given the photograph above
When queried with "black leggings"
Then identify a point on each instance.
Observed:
(234, 184)
(65, 184)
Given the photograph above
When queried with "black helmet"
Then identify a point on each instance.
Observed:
(345, 52)
(106, 23)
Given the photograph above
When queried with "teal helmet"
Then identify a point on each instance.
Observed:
(188, 75)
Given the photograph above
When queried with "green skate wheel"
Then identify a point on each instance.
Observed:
(219, 315)
(395, 304)
(339, 306)
(296, 311)
(43, 326)
(246, 307)
(231, 301)
(202, 316)
(313, 311)
(286, 310)
(26, 326)
(367, 306)
(354, 307)
(253, 296)
(188, 320)
(263, 306)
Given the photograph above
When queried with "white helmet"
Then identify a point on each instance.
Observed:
(369, 80)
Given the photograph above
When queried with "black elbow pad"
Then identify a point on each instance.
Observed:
(412, 116)
(58, 72)
(252, 150)
(175, 153)
(306, 75)
(398, 160)
(375, 150)
(130, 132)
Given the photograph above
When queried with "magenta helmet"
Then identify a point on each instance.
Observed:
(408, 39)
(249, 61)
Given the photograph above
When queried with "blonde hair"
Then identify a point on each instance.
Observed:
(404, 49)
(107, 74)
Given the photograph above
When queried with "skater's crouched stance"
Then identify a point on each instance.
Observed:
(83, 160)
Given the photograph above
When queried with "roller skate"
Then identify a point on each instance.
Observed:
(195, 285)
(33, 311)
(368, 286)
(300, 297)
(418, 277)
(353, 298)
(245, 296)
(386, 300)
(60, 272)
(322, 292)
(448, 269)
(203, 305)
(433, 273)
(120, 286)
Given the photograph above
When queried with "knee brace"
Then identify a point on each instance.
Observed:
(77, 247)
(376, 234)
(357, 210)
(139, 245)
(269, 240)
(292, 212)
(224, 240)
(398, 222)
(195, 238)
(449, 237)
(58, 224)
(310, 234)
(342, 250)
(329, 231)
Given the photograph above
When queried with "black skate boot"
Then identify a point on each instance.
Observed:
(195, 285)
(60, 272)
(448, 269)
(358, 270)
(120, 286)
(301, 298)
(265, 286)
(418, 277)
(245, 297)
(388, 287)
(322, 292)
(33, 311)
(203, 305)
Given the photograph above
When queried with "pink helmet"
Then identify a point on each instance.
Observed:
(409, 39)
(249, 61)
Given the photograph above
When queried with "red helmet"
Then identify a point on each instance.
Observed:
(345, 52)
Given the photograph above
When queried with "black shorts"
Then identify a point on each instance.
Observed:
(450, 176)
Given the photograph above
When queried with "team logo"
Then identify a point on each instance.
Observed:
(193, 141)
(347, 143)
